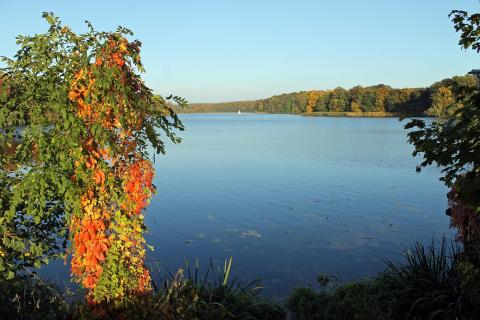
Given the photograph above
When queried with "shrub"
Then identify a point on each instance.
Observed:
(431, 283)
(81, 173)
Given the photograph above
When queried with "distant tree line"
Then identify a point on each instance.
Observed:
(244, 106)
(437, 100)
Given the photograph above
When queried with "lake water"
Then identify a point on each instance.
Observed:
(289, 197)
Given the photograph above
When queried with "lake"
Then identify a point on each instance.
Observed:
(289, 197)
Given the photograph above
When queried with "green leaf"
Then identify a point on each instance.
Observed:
(10, 275)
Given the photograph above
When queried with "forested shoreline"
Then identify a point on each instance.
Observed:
(439, 99)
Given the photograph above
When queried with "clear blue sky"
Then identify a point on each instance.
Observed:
(210, 51)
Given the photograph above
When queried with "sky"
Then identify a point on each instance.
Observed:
(213, 51)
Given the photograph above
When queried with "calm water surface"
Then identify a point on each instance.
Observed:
(289, 197)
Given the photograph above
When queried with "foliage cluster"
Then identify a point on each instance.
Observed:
(453, 143)
(81, 172)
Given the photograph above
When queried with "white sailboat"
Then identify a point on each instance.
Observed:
(239, 112)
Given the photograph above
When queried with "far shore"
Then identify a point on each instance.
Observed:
(379, 114)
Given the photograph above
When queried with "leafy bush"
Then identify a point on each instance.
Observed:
(453, 145)
(356, 301)
(431, 283)
(80, 173)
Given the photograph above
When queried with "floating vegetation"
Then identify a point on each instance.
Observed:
(250, 234)
(411, 208)
(201, 235)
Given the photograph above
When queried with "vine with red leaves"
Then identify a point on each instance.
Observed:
(92, 159)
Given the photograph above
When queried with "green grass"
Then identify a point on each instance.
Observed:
(185, 295)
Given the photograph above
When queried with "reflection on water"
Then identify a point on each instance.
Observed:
(289, 197)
